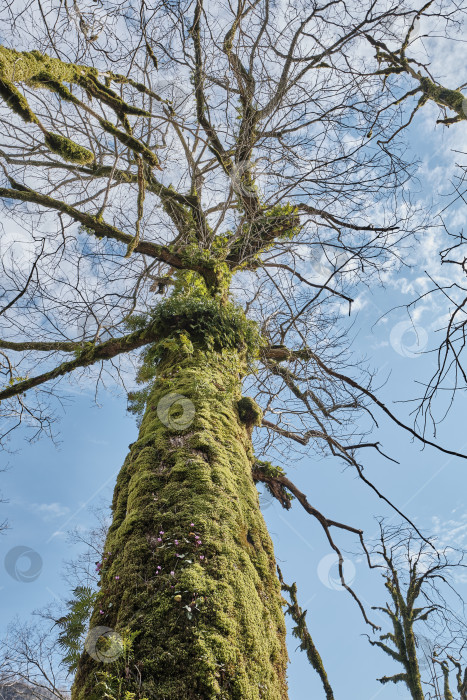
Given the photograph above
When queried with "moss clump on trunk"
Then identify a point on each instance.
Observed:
(189, 562)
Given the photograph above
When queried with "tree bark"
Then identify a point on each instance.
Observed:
(210, 620)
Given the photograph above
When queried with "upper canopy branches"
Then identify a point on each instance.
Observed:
(194, 141)
(394, 62)
(39, 71)
(143, 114)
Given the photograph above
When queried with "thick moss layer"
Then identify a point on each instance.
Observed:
(249, 411)
(68, 149)
(189, 560)
(21, 66)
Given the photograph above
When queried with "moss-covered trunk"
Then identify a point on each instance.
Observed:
(189, 563)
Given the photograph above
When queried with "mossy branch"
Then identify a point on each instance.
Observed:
(141, 194)
(397, 678)
(41, 71)
(261, 230)
(397, 63)
(461, 676)
(403, 617)
(86, 356)
(57, 346)
(444, 97)
(95, 224)
(301, 632)
(267, 473)
(175, 203)
(390, 652)
(447, 694)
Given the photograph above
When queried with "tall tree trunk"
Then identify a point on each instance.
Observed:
(189, 563)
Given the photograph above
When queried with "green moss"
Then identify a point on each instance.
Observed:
(301, 632)
(105, 94)
(215, 271)
(209, 323)
(280, 222)
(249, 412)
(214, 629)
(68, 149)
(269, 469)
(131, 142)
(443, 96)
(41, 71)
(186, 321)
(16, 101)
(63, 146)
(45, 80)
(21, 66)
(269, 475)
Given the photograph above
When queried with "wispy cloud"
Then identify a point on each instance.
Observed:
(49, 511)
(451, 532)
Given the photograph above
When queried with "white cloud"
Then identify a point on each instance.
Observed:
(451, 533)
(49, 511)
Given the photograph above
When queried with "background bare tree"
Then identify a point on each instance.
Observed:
(30, 664)
(423, 87)
(428, 626)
